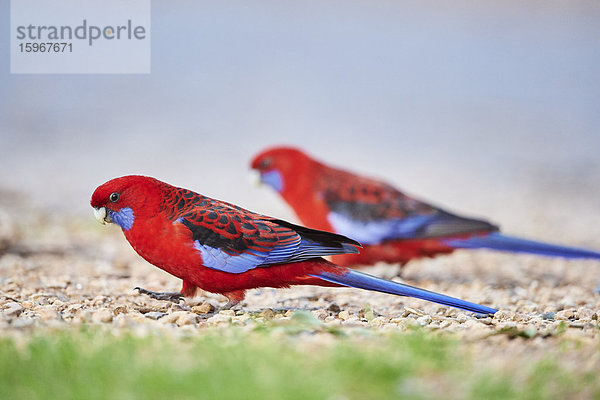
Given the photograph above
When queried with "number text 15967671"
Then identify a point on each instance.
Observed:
(48, 47)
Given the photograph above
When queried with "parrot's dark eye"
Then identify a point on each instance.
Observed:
(265, 163)
(114, 197)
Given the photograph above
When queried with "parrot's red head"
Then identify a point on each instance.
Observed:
(121, 200)
(280, 165)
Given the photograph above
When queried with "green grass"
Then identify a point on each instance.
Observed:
(273, 362)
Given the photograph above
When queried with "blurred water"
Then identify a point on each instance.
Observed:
(490, 108)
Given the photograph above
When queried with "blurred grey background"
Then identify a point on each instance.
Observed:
(487, 108)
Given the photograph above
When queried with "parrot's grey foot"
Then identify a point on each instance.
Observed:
(169, 296)
(230, 304)
(233, 299)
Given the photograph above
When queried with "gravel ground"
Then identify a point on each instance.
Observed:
(57, 271)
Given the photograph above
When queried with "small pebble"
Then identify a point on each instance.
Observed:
(187, 319)
(58, 303)
(344, 315)
(40, 298)
(172, 317)
(504, 315)
(47, 313)
(548, 316)
(204, 308)
(445, 324)
(27, 304)
(564, 315)
(12, 309)
(320, 314)
(119, 310)
(587, 314)
(218, 319)
(378, 322)
(267, 314)
(333, 307)
(155, 315)
(461, 318)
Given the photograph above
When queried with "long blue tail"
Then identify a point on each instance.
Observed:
(498, 241)
(361, 280)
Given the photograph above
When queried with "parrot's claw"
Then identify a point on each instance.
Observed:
(175, 297)
(229, 305)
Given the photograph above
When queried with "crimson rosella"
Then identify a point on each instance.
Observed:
(223, 248)
(391, 226)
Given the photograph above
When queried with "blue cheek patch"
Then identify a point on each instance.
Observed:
(272, 178)
(124, 217)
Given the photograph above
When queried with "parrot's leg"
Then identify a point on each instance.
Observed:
(233, 298)
(188, 289)
(169, 296)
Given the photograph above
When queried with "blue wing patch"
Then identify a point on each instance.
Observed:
(299, 250)
(373, 232)
(218, 259)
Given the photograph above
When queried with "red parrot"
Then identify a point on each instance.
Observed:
(223, 248)
(391, 226)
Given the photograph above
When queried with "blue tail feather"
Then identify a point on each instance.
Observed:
(498, 241)
(369, 282)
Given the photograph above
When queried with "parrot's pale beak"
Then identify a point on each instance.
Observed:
(100, 214)
(255, 177)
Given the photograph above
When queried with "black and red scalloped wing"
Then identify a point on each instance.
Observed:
(371, 211)
(235, 240)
